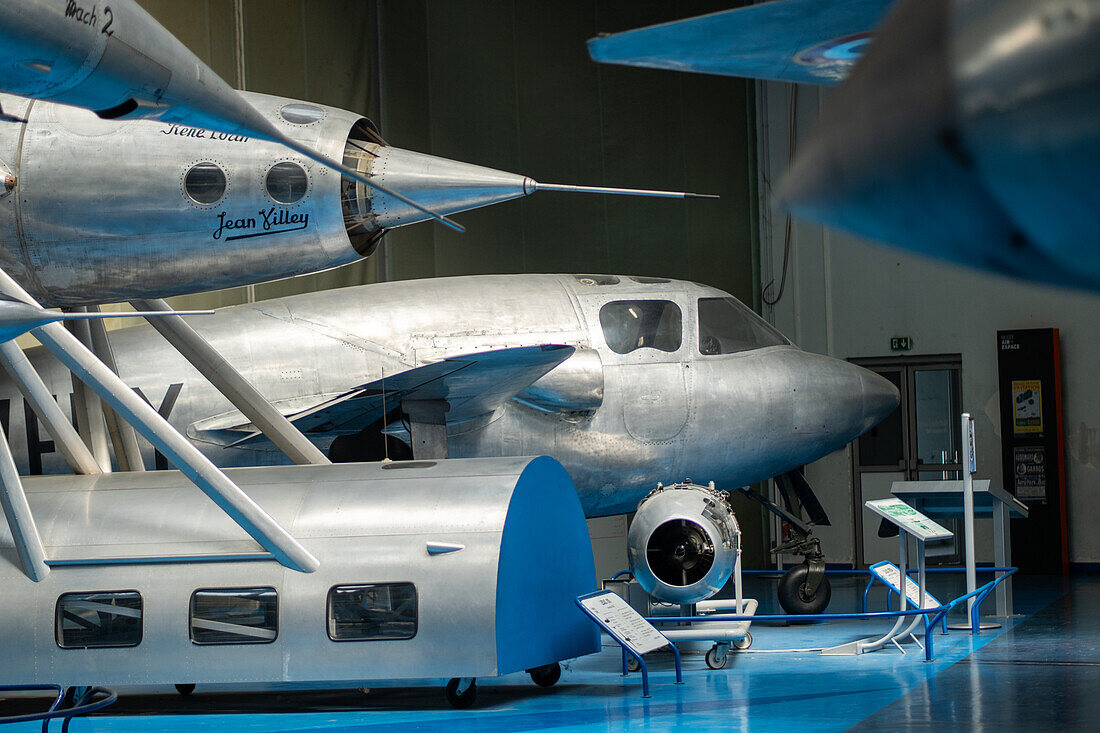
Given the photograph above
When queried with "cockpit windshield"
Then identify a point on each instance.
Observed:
(726, 327)
(629, 325)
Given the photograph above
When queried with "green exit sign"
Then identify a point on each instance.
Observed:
(901, 343)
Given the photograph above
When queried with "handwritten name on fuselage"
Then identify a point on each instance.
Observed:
(81, 14)
(201, 134)
(270, 221)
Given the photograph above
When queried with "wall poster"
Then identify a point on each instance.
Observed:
(1027, 400)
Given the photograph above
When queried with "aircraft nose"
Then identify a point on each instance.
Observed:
(880, 397)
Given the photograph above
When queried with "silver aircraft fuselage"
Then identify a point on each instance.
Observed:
(98, 211)
(618, 422)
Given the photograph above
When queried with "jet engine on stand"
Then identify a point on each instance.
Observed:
(684, 542)
(684, 545)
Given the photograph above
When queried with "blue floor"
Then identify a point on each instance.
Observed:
(1040, 672)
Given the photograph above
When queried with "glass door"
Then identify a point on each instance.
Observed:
(917, 442)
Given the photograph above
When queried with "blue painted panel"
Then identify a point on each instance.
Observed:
(545, 563)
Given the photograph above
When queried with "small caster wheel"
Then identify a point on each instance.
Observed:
(185, 690)
(792, 592)
(461, 693)
(547, 675)
(716, 657)
(743, 643)
(632, 664)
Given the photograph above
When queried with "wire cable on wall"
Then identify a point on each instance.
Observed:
(792, 141)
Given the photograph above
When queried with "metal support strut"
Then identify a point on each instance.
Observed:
(123, 437)
(38, 396)
(91, 418)
(28, 545)
(232, 384)
(177, 449)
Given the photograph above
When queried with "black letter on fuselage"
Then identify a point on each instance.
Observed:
(35, 445)
(164, 411)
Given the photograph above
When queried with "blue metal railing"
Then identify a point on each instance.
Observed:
(890, 592)
(85, 703)
(644, 669)
(937, 613)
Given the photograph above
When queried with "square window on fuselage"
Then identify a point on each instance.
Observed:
(99, 619)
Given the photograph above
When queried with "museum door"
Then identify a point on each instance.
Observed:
(917, 442)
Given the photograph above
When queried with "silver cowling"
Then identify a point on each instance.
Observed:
(684, 542)
(575, 385)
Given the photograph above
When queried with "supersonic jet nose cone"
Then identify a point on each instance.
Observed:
(880, 398)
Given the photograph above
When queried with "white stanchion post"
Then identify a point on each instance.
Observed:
(968, 468)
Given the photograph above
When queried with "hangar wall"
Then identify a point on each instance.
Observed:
(510, 85)
(846, 297)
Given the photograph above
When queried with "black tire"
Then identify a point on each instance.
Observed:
(792, 592)
(466, 699)
(715, 660)
(185, 689)
(743, 643)
(632, 663)
(547, 675)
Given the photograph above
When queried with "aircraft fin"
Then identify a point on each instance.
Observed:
(472, 386)
(799, 41)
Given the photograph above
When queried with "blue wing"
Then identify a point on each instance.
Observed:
(803, 41)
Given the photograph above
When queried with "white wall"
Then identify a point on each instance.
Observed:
(609, 545)
(846, 297)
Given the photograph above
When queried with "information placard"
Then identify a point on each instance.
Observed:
(625, 625)
(889, 574)
(908, 519)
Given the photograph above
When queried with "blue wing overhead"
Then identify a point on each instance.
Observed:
(803, 41)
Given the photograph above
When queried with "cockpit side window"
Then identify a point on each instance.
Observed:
(629, 325)
(726, 327)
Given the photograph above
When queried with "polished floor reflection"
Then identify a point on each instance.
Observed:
(1040, 672)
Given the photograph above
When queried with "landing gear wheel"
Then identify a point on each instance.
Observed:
(464, 699)
(547, 675)
(632, 664)
(185, 690)
(792, 592)
(716, 658)
(743, 643)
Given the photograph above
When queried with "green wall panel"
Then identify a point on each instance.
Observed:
(510, 85)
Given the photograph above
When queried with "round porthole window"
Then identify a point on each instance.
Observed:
(205, 183)
(301, 114)
(286, 183)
